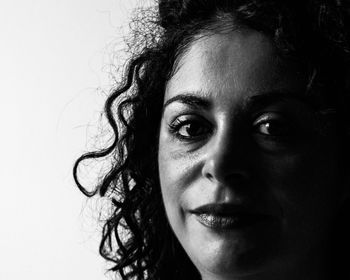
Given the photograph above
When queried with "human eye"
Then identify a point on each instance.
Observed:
(273, 129)
(189, 127)
(271, 124)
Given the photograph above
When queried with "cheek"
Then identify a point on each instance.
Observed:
(304, 186)
(172, 192)
(170, 176)
(177, 173)
(178, 169)
(306, 172)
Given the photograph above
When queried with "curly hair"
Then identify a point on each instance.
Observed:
(137, 237)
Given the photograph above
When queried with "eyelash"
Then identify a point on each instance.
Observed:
(270, 122)
(176, 126)
(282, 128)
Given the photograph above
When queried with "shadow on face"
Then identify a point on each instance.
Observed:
(249, 182)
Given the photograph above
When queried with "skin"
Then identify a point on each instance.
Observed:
(217, 144)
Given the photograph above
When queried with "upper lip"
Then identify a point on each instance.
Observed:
(224, 209)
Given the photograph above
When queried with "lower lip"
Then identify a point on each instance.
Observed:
(239, 221)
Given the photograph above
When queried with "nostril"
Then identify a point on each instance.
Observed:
(225, 172)
(226, 161)
(209, 176)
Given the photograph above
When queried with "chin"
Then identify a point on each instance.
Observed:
(232, 253)
(234, 262)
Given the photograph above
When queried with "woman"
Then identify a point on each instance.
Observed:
(230, 155)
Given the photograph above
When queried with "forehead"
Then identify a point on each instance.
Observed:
(232, 65)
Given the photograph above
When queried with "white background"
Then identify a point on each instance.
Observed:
(55, 58)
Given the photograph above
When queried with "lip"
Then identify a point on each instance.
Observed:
(228, 216)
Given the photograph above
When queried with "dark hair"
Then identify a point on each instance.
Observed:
(137, 237)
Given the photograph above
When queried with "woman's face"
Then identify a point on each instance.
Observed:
(247, 176)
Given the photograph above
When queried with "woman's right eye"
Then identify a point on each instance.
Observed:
(189, 127)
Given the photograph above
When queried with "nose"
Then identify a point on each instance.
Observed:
(227, 158)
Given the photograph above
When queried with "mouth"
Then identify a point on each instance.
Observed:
(227, 216)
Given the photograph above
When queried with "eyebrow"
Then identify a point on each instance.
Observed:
(191, 99)
(253, 103)
(265, 99)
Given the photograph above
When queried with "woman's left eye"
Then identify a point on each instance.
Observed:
(271, 128)
(271, 125)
